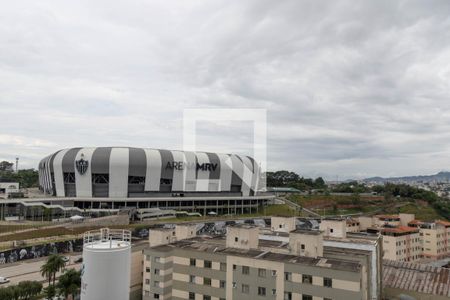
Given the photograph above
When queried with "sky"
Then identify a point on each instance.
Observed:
(351, 89)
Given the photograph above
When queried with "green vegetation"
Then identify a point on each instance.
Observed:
(25, 290)
(69, 283)
(55, 263)
(425, 213)
(26, 178)
(293, 180)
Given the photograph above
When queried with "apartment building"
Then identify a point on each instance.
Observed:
(435, 238)
(242, 265)
(400, 243)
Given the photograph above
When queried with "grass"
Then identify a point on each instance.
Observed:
(425, 213)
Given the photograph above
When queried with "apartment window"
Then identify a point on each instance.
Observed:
(328, 282)
(287, 296)
(245, 289)
(147, 270)
(288, 276)
(234, 285)
(156, 272)
(327, 299)
(234, 267)
(331, 230)
(191, 296)
(307, 297)
(147, 281)
(245, 270)
(306, 278)
(262, 272)
(207, 264)
(274, 273)
(147, 257)
(156, 284)
(261, 291)
(206, 297)
(274, 292)
(206, 281)
(157, 259)
(236, 239)
(223, 266)
(191, 278)
(222, 284)
(156, 296)
(192, 262)
(302, 246)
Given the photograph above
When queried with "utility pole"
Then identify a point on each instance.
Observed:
(17, 164)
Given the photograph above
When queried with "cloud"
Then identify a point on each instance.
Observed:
(351, 88)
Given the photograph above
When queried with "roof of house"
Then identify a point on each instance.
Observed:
(416, 277)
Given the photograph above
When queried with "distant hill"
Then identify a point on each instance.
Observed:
(439, 177)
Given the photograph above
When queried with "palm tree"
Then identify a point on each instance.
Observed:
(50, 292)
(54, 264)
(69, 283)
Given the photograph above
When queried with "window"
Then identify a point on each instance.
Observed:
(236, 239)
(157, 259)
(302, 246)
(191, 296)
(287, 296)
(147, 281)
(327, 299)
(156, 284)
(207, 264)
(223, 266)
(206, 281)
(192, 262)
(147, 270)
(262, 272)
(261, 291)
(156, 272)
(206, 297)
(331, 230)
(222, 284)
(328, 282)
(274, 292)
(307, 297)
(156, 296)
(191, 278)
(306, 278)
(245, 270)
(288, 276)
(234, 285)
(274, 273)
(245, 289)
(234, 267)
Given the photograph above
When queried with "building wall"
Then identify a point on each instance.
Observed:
(226, 277)
(283, 224)
(150, 170)
(402, 248)
(435, 242)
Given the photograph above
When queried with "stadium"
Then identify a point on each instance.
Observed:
(115, 178)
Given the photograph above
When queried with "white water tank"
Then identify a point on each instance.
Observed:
(106, 265)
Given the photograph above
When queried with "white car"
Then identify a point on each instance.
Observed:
(3, 280)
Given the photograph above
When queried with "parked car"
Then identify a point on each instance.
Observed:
(3, 280)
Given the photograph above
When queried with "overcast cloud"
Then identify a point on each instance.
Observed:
(351, 88)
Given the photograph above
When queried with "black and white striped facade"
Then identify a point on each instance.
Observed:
(122, 172)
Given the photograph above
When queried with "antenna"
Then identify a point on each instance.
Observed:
(17, 164)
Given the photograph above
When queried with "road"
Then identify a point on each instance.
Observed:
(30, 270)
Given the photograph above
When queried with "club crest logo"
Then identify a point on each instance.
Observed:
(82, 165)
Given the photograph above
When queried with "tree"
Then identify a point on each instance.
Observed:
(69, 283)
(6, 166)
(50, 292)
(54, 264)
